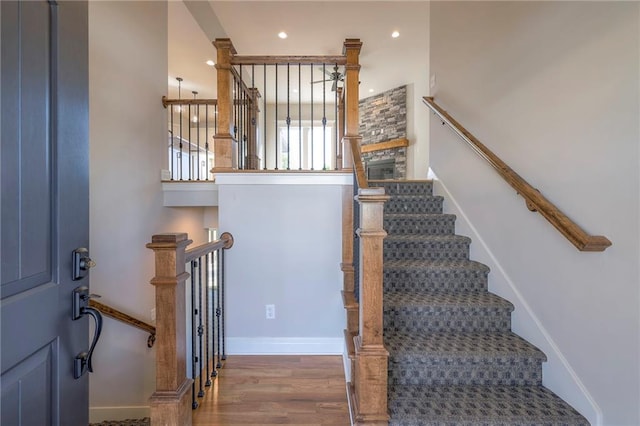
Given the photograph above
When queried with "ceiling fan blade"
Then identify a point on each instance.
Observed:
(334, 85)
(319, 81)
(327, 71)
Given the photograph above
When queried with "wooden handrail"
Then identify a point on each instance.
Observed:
(252, 93)
(534, 199)
(112, 312)
(225, 242)
(166, 101)
(358, 167)
(276, 60)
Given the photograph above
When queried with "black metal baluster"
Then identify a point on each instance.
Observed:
(194, 358)
(311, 67)
(196, 121)
(215, 130)
(241, 151)
(206, 142)
(207, 303)
(253, 131)
(288, 118)
(299, 117)
(222, 316)
(356, 240)
(245, 146)
(235, 122)
(276, 121)
(189, 143)
(214, 310)
(200, 326)
(335, 125)
(171, 149)
(324, 118)
(219, 309)
(180, 110)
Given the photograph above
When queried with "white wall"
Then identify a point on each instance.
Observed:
(552, 88)
(417, 114)
(287, 252)
(128, 76)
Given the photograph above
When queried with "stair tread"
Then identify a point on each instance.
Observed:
(412, 197)
(437, 238)
(460, 346)
(436, 265)
(417, 215)
(464, 302)
(478, 405)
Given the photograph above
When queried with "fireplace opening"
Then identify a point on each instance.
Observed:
(381, 169)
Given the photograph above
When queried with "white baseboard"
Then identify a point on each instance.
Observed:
(573, 390)
(285, 345)
(100, 414)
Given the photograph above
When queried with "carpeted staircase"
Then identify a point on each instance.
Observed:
(453, 359)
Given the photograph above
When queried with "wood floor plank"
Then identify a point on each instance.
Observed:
(276, 390)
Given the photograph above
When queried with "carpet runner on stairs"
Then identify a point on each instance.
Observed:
(453, 359)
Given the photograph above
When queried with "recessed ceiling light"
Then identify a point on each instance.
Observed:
(282, 35)
(370, 90)
(395, 34)
(210, 63)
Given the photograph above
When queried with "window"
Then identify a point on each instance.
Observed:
(306, 147)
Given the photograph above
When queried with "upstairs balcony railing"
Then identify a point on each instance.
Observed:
(279, 113)
(192, 124)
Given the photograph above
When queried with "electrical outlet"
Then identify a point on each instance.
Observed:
(270, 311)
(153, 314)
(165, 174)
(432, 81)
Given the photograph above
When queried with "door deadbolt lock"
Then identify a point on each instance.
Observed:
(81, 263)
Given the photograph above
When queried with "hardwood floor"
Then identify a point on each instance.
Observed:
(282, 390)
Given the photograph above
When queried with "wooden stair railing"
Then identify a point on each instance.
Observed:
(367, 389)
(535, 201)
(171, 403)
(226, 146)
(112, 312)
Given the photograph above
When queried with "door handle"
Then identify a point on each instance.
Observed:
(82, 362)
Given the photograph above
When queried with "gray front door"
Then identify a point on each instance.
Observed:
(44, 210)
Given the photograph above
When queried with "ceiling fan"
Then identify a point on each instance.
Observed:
(334, 76)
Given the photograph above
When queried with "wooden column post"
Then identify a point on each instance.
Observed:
(370, 399)
(225, 147)
(351, 50)
(171, 402)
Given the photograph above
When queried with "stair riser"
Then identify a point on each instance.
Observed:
(431, 205)
(419, 281)
(415, 321)
(518, 374)
(441, 225)
(421, 250)
(421, 188)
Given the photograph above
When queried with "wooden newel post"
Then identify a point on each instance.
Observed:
(225, 147)
(351, 50)
(371, 355)
(171, 402)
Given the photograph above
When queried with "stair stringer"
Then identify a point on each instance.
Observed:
(558, 375)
